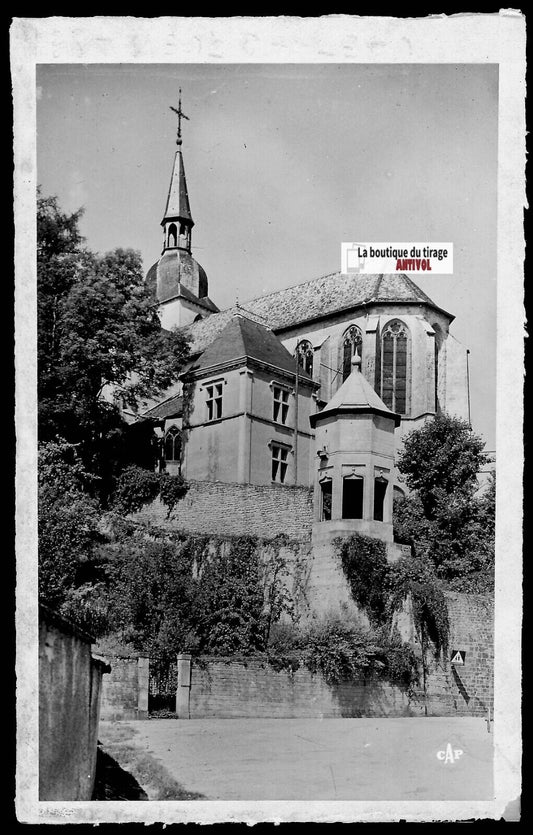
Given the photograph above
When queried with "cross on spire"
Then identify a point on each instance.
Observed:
(181, 115)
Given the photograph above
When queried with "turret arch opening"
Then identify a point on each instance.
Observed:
(352, 496)
(172, 235)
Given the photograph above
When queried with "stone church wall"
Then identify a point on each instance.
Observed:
(211, 508)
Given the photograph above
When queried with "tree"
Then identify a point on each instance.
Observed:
(441, 459)
(68, 523)
(442, 516)
(100, 342)
(150, 594)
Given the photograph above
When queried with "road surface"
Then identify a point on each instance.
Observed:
(330, 759)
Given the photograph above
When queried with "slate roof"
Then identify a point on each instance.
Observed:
(173, 407)
(314, 299)
(333, 293)
(243, 337)
(202, 332)
(177, 205)
(205, 301)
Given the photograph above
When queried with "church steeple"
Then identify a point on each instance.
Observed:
(177, 221)
(177, 281)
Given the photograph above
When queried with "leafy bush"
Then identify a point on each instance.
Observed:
(342, 650)
(172, 489)
(136, 487)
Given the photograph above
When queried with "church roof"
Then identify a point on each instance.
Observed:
(314, 299)
(178, 198)
(172, 407)
(166, 278)
(242, 337)
(355, 395)
(334, 293)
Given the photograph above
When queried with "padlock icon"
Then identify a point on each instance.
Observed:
(354, 262)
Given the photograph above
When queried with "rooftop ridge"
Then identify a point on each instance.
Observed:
(291, 286)
(239, 310)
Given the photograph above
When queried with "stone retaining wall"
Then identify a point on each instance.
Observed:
(237, 509)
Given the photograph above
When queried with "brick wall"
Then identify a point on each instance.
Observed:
(224, 688)
(465, 690)
(236, 509)
(252, 688)
(125, 689)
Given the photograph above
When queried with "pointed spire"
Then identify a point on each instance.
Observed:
(177, 207)
(177, 220)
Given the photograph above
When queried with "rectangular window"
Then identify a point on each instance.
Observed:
(214, 401)
(279, 463)
(326, 492)
(281, 404)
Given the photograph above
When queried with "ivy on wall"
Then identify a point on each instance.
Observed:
(365, 566)
(381, 589)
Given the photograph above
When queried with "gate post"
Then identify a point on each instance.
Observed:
(143, 683)
(183, 690)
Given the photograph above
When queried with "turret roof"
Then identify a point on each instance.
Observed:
(355, 395)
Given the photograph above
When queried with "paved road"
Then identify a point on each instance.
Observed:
(329, 759)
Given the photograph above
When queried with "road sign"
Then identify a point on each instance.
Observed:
(458, 657)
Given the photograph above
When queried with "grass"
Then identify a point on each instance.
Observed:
(117, 740)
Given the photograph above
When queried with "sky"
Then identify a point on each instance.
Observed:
(283, 163)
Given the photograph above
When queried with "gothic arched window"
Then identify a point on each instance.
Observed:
(394, 360)
(305, 354)
(352, 341)
(173, 444)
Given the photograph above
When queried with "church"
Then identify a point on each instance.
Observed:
(312, 386)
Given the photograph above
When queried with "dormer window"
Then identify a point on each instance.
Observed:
(281, 404)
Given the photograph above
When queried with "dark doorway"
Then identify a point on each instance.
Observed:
(352, 498)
